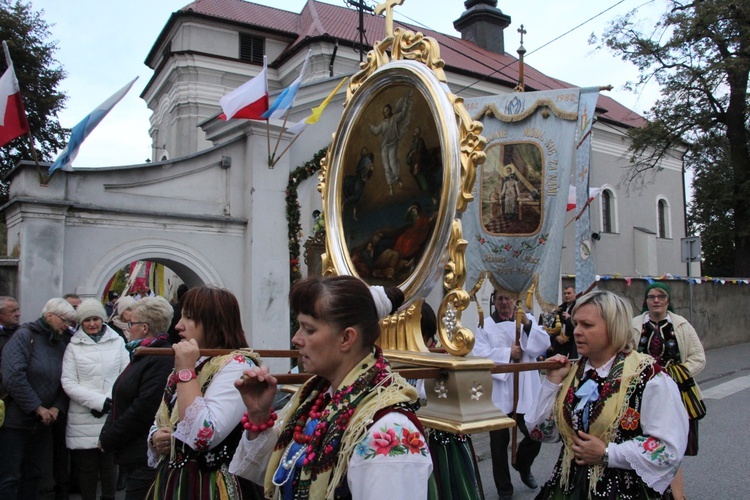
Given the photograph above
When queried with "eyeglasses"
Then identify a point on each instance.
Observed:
(131, 323)
(652, 298)
(65, 321)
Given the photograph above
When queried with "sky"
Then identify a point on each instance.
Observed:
(103, 45)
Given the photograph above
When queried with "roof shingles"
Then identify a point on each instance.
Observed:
(319, 19)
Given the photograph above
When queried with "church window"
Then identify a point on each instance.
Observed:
(252, 48)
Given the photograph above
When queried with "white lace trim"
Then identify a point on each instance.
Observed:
(656, 481)
(187, 427)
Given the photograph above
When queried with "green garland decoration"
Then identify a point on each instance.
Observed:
(294, 228)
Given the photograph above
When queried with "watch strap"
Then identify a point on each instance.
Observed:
(186, 375)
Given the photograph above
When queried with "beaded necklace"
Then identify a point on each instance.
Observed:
(312, 436)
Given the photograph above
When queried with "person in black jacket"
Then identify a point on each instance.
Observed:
(564, 343)
(9, 315)
(136, 395)
(31, 370)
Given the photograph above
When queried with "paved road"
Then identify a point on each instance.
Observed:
(719, 471)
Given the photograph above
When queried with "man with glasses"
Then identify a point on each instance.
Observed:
(496, 340)
(31, 370)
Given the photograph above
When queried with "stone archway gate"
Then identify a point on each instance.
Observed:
(215, 217)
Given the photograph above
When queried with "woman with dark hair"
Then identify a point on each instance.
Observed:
(675, 345)
(197, 425)
(617, 412)
(136, 395)
(349, 428)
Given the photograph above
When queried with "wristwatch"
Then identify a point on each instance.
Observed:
(186, 375)
(605, 456)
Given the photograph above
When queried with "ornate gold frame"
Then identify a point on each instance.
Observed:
(414, 60)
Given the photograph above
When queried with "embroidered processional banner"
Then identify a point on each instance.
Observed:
(514, 226)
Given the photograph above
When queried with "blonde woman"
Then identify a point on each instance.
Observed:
(616, 411)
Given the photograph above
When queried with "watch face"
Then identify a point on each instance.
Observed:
(185, 375)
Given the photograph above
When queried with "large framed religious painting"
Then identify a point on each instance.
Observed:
(393, 170)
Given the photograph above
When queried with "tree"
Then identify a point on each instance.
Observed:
(39, 75)
(699, 54)
(711, 218)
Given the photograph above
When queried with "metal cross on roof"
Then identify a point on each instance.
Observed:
(522, 31)
(387, 7)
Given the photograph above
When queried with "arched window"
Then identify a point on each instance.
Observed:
(662, 218)
(607, 211)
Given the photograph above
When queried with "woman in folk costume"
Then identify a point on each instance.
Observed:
(197, 425)
(350, 431)
(675, 345)
(617, 412)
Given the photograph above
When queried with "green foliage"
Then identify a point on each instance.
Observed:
(712, 218)
(120, 279)
(294, 228)
(699, 54)
(39, 74)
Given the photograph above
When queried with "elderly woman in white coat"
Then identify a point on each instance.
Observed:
(93, 360)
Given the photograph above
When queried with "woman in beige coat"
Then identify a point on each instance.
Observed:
(675, 345)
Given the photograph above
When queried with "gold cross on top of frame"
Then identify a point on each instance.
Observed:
(387, 7)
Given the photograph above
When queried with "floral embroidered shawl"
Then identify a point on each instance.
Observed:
(368, 388)
(606, 423)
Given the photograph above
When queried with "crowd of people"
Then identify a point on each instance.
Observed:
(622, 400)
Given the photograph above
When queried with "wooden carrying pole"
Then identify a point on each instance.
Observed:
(519, 325)
(299, 378)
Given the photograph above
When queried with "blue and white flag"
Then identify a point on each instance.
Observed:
(585, 278)
(514, 226)
(79, 133)
(285, 100)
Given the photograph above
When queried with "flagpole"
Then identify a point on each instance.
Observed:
(43, 179)
(278, 139)
(268, 141)
(285, 149)
(585, 206)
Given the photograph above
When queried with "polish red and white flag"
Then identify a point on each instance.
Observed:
(593, 193)
(249, 100)
(13, 122)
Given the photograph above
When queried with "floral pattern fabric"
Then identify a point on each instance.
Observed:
(392, 442)
(392, 453)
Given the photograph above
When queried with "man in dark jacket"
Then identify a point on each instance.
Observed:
(564, 343)
(31, 369)
(10, 315)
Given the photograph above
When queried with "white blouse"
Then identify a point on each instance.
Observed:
(662, 418)
(381, 460)
(212, 417)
